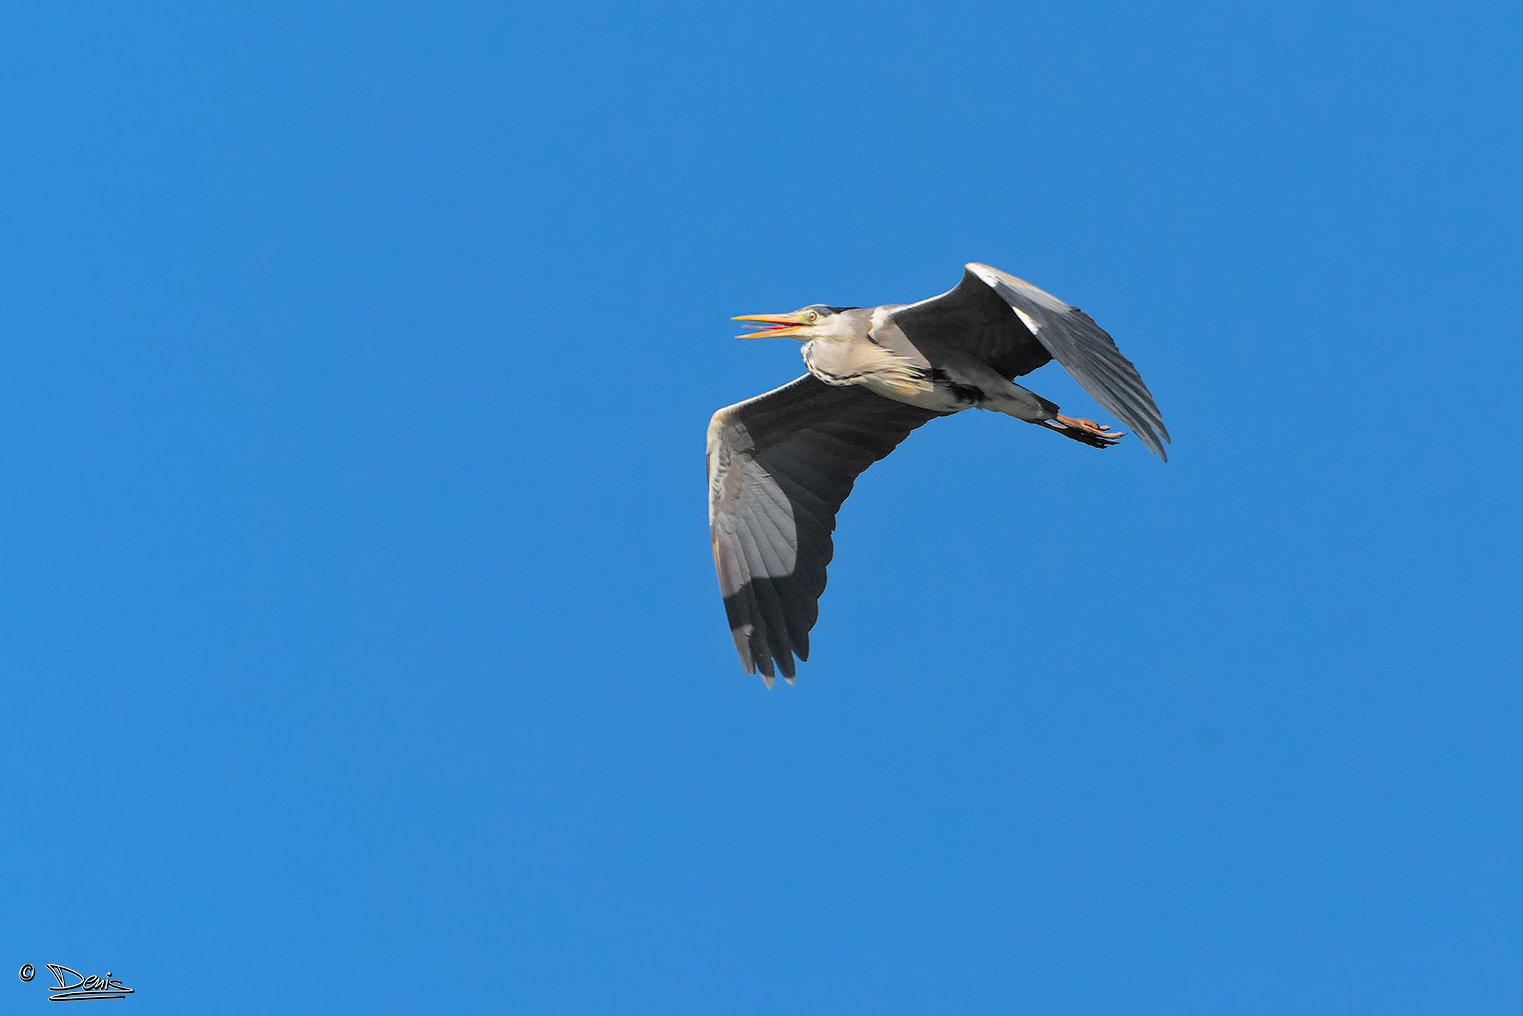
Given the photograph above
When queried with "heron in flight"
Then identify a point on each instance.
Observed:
(780, 465)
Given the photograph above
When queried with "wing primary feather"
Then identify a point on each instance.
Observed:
(773, 626)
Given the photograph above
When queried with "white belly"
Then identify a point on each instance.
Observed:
(882, 371)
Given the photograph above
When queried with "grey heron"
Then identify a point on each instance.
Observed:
(781, 464)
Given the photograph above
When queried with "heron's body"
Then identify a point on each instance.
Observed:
(875, 352)
(781, 464)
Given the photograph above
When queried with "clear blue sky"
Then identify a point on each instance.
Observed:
(361, 645)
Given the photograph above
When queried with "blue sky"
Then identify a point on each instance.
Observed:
(360, 639)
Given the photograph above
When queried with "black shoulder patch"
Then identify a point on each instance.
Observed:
(971, 394)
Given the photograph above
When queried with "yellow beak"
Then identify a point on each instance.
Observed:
(779, 324)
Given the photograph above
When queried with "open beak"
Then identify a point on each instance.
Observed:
(777, 324)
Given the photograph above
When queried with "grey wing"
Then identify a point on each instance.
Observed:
(780, 465)
(1085, 351)
(973, 318)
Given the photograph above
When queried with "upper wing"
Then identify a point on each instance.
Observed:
(973, 317)
(780, 465)
(1085, 351)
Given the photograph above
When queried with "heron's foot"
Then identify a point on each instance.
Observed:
(1096, 435)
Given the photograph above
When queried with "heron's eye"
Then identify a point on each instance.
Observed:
(813, 316)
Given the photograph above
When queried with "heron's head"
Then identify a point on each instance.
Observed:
(816, 321)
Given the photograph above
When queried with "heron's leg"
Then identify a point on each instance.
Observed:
(1007, 397)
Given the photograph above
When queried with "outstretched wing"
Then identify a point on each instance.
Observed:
(780, 465)
(1085, 351)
